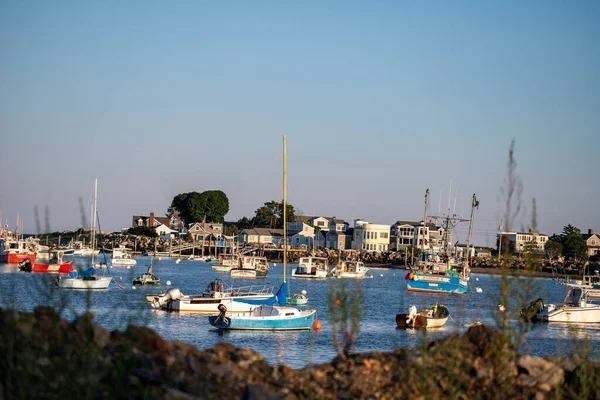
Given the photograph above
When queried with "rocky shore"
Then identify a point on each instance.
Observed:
(43, 356)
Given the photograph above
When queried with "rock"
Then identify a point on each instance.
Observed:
(257, 392)
(545, 373)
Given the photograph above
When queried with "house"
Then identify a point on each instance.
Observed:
(592, 240)
(370, 237)
(338, 225)
(520, 240)
(461, 250)
(200, 230)
(164, 232)
(483, 252)
(339, 240)
(409, 233)
(306, 236)
(153, 221)
(321, 239)
(261, 236)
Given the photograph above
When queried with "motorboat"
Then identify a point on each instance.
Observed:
(226, 263)
(350, 269)
(269, 318)
(121, 257)
(311, 268)
(217, 292)
(427, 318)
(298, 299)
(56, 267)
(574, 309)
(250, 267)
(14, 250)
(147, 278)
(450, 282)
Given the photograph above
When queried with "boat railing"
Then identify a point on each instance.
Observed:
(255, 289)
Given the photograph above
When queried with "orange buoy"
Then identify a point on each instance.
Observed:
(337, 302)
(316, 325)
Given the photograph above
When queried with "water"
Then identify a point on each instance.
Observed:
(383, 297)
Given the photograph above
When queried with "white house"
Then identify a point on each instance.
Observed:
(408, 233)
(306, 236)
(521, 239)
(592, 240)
(165, 232)
(370, 237)
(262, 236)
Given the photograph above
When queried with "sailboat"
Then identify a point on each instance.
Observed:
(450, 280)
(269, 317)
(87, 279)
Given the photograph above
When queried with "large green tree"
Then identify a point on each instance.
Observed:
(554, 247)
(573, 243)
(270, 215)
(194, 207)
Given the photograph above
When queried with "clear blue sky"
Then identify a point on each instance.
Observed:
(380, 100)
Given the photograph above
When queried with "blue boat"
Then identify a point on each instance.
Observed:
(449, 283)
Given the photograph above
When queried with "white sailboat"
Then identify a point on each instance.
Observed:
(87, 279)
(271, 318)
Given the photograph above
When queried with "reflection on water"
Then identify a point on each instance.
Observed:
(383, 297)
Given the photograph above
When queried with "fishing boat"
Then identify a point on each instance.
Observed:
(269, 317)
(81, 249)
(121, 257)
(311, 268)
(350, 269)
(250, 267)
(217, 292)
(87, 279)
(226, 263)
(440, 275)
(576, 308)
(427, 318)
(43, 253)
(13, 249)
(60, 266)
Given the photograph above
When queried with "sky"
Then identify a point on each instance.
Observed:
(379, 101)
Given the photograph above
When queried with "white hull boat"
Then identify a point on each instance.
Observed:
(311, 268)
(92, 282)
(350, 269)
(122, 258)
(575, 309)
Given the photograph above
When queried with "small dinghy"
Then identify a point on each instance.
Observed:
(147, 278)
(299, 299)
(427, 318)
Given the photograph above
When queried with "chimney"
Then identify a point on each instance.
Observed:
(151, 222)
(591, 231)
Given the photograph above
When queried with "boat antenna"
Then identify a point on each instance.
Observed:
(102, 243)
(284, 210)
(474, 204)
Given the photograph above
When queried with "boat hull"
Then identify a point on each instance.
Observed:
(247, 273)
(351, 275)
(437, 284)
(94, 283)
(209, 305)
(123, 262)
(316, 275)
(583, 315)
(63, 268)
(222, 269)
(304, 321)
(14, 258)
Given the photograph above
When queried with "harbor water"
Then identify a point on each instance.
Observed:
(383, 296)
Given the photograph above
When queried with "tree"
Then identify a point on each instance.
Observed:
(270, 215)
(508, 247)
(573, 243)
(553, 247)
(194, 207)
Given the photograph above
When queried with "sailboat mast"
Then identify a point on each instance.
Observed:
(284, 209)
(424, 225)
(474, 204)
(94, 218)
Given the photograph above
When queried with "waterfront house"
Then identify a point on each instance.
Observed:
(164, 232)
(339, 240)
(409, 233)
(262, 236)
(520, 240)
(370, 237)
(154, 221)
(305, 236)
(592, 240)
(201, 230)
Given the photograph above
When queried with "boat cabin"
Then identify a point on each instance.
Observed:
(576, 297)
(272, 311)
(308, 265)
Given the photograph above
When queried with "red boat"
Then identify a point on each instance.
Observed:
(14, 251)
(59, 267)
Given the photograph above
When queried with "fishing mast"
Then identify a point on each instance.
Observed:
(474, 204)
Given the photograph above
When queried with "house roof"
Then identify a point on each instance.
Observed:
(264, 232)
(586, 236)
(338, 220)
(162, 220)
(302, 218)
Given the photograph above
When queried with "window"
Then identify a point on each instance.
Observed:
(593, 242)
(374, 235)
(383, 235)
(320, 223)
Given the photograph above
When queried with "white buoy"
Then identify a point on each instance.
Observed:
(168, 283)
(128, 267)
(159, 258)
(477, 279)
(177, 261)
(501, 307)
(303, 292)
(478, 290)
(381, 275)
(133, 288)
(274, 264)
(121, 278)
